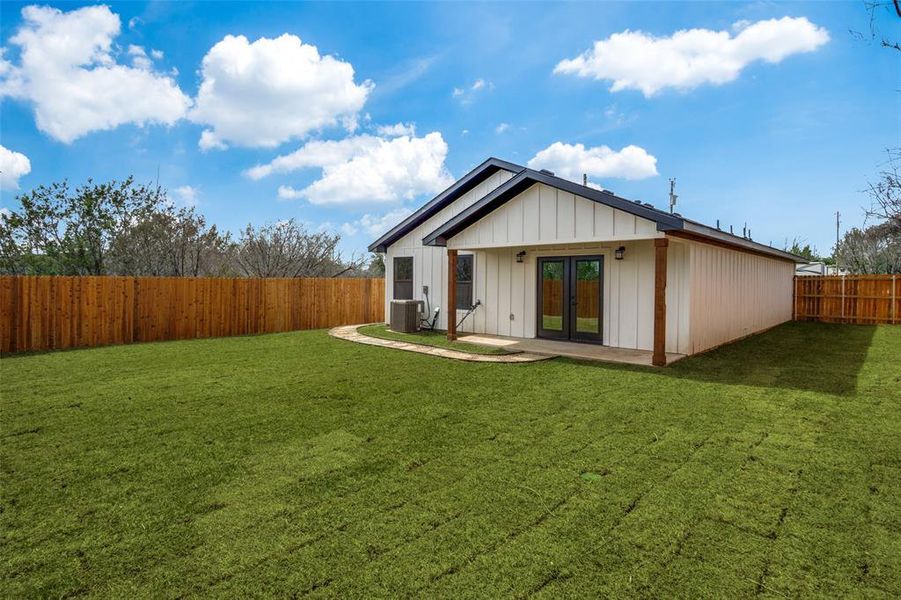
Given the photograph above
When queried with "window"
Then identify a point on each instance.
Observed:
(403, 278)
(464, 281)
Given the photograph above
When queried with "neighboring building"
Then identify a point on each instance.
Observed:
(818, 268)
(811, 268)
(547, 257)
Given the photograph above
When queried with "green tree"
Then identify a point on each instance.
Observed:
(60, 231)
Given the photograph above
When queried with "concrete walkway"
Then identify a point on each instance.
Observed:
(350, 333)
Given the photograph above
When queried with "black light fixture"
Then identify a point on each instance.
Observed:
(520, 255)
(619, 253)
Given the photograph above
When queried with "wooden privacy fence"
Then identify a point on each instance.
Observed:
(588, 300)
(861, 299)
(45, 313)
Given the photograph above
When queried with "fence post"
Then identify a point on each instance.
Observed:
(843, 298)
(894, 301)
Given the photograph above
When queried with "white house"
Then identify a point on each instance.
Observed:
(546, 257)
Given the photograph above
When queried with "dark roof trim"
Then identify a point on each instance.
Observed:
(664, 220)
(527, 178)
(693, 230)
(463, 185)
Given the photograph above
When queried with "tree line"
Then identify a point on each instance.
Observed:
(126, 228)
(876, 248)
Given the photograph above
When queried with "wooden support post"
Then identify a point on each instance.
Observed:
(660, 248)
(451, 295)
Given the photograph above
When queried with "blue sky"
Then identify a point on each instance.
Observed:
(769, 113)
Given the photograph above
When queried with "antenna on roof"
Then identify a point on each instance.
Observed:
(672, 194)
(585, 179)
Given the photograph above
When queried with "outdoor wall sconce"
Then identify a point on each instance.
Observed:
(619, 253)
(520, 255)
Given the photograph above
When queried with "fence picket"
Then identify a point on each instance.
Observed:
(49, 312)
(863, 299)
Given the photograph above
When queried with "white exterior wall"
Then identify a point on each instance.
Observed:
(507, 288)
(430, 262)
(734, 294)
(713, 294)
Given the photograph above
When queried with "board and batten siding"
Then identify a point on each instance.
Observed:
(734, 294)
(430, 262)
(713, 295)
(564, 224)
(508, 292)
(545, 215)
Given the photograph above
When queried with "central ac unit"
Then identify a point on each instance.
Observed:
(405, 315)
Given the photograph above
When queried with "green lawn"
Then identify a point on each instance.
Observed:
(298, 464)
(583, 324)
(437, 339)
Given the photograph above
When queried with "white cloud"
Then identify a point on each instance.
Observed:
(689, 58)
(365, 169)
(139, 58)
(13, 165)
(502, 127)
(186, 195)
(316, 154)
(376, 225)
(156, 54)
(69, 73)
(396, 130)
(468, 94)
(287, 192)
(263, 93)
(571, 161)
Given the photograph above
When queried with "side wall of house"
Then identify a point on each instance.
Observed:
(734, 294)
(430, 262)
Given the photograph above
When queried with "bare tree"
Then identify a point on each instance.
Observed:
(885, 193)
(874, 250)
(287, 249)
(172, 243)
(877, 10)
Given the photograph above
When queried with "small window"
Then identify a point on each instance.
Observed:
(403, 278)
(464, 281)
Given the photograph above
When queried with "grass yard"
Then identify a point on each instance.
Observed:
(437, 339)
(301, 465)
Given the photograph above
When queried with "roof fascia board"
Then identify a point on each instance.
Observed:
(460, 187)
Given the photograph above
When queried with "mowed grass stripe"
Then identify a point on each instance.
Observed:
(294, 464)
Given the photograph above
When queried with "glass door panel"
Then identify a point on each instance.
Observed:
(553, 303)
(586, 297)
(570, 298)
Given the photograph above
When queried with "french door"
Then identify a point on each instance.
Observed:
(570, 298)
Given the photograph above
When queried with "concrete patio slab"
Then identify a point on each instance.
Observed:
(576, 350)
(350, 333)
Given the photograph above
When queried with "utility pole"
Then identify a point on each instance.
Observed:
(837, 223)
(835, 252)
(672, 195)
